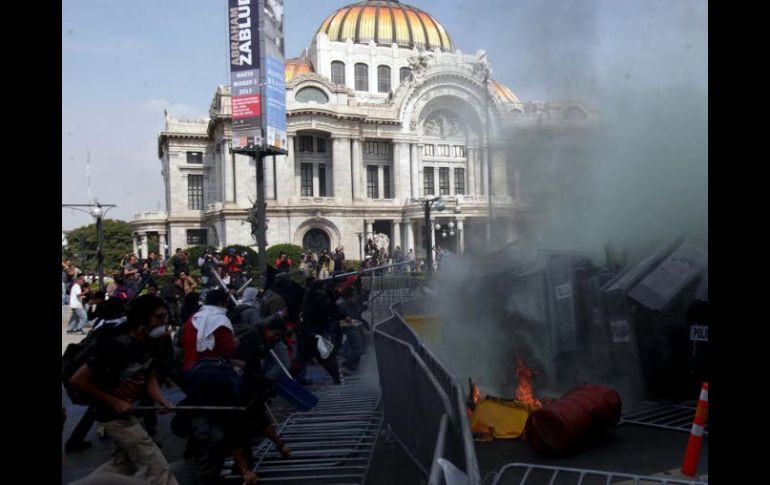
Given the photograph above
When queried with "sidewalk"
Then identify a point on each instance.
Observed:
(68, 339)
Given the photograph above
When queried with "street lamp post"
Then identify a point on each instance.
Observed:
(427, 205)
(98, 212)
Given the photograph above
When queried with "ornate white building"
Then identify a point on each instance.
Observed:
(382, 109)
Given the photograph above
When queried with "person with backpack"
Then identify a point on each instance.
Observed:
(108, 317)
(116, 376)
(247, 317)
(122, 291)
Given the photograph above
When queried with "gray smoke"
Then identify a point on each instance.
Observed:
(636, 177)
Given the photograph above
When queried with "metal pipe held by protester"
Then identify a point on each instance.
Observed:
(280, 364)
(146, 279)
(223, 285)
(240, 290)
(189, 408)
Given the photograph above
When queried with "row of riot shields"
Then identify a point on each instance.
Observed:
(642, 330)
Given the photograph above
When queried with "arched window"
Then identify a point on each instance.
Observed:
(312, 94)
(383, 79)
(362, 77)
(404, 73)
(317, 240)
(338, 72)
(573, 113)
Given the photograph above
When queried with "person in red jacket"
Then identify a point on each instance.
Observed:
(209, 333)
(283, 263)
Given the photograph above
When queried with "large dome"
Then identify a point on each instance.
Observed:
(386, 22)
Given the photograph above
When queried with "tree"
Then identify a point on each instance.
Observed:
(82, 242)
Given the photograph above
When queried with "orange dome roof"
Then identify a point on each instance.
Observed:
(296, 66)
(502, 92)
(386, 22)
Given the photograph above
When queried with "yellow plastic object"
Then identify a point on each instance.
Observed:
(500, 419)
(428, 328)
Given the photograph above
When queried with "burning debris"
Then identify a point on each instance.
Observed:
(524, 393)
(496, 417)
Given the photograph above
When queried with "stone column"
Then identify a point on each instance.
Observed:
(516, 188)
(470, 188)
(432, 230)
(409, 243)
(380, 182)
(397, 172)
(134, 237)
(268, 165)
(436, 187)
(284, 175)
(499, 172)
(414, 167)
(396, 234)
(341, 190)
(143, 238)
(229, 177)
(461, 235)
(369, 231)
(316, 188)
(162, 245)
(451, 180)
(485, 171)
(359, 182)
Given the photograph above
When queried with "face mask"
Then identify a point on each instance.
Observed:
(157, 332)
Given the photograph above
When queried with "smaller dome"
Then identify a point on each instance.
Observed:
(502, 92)
(296, 66)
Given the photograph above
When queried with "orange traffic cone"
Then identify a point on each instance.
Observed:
(692, 453)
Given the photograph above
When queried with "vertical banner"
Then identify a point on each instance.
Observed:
(273, 77)
(246, 96)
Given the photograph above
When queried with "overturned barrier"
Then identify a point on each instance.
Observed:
(424, 404)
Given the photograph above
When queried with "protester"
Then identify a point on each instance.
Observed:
(318, 310)
(78, 318)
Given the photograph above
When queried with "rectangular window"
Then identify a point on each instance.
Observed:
(383, 79)
(197, 237)
(321, 179)
(385, 148)
(443, 180)
(459, 181)
(427, 184)
(306, 176)
(338, 72)
(195, 192)
(428, 150)
(305, 143)
(321, 145)
(459, 151)
(405, 73)
(362, 77)
(372, 190)
(386, 181)
(195, 157)
(371, 147)
(443, 151)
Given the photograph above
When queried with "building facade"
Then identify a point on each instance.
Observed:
(382, 110)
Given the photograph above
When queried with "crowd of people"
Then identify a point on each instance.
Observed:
(214, 344)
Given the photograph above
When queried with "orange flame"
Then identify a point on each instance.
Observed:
(524, 392)
(475, 395)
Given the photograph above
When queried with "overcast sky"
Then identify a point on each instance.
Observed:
(124, 62)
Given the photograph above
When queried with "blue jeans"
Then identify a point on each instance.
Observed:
(78, 320)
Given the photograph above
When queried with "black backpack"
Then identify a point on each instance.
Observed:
(78, 354)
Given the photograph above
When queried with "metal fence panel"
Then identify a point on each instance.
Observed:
(530, 474)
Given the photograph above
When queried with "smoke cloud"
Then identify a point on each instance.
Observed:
(636, 177)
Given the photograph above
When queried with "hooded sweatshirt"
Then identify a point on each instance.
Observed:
(208, 334)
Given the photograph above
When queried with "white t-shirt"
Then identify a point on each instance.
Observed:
(75, 297)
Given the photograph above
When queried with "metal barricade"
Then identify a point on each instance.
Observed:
(429, 422)
(530, 474)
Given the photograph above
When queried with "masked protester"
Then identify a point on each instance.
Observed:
(116, 376)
